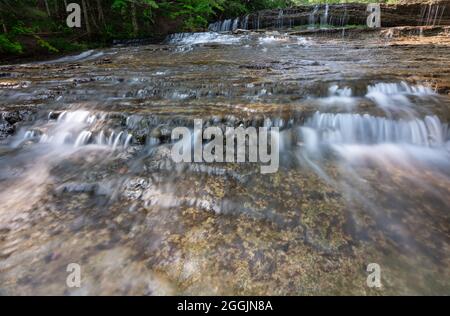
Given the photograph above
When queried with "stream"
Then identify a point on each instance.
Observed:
(86, 174)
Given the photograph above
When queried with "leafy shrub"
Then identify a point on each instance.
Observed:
(63, 45)
(9, 47)
(44, 44)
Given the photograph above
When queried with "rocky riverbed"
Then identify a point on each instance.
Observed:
(86, 175)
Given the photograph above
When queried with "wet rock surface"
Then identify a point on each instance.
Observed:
(86, 174)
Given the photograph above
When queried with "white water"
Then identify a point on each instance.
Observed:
(84, 56)
(340, 97)
(202, 38)
(312, 17)
(346, 128)
(324, 18)
(228, 25)
(395, 95)
(77, 129)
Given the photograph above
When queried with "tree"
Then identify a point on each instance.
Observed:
(131, 6)
(134, 18)
(101, 15)
(47, 7)
(86, 17)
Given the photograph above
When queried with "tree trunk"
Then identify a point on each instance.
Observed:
(56, 8)
(47, 7)
(134, 19)
(86, 18)
(94, 22)
(2, 22)
(101, 16)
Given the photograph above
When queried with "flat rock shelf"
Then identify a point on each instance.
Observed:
(86, 174)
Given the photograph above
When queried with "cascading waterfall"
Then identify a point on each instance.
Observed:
(280, 20)
(312, 17)
(117, 140)
(364, 163)
(235, 24)
(394, 96)
(432, 14)
(214, 27)
(244, 24)
(77, 128)
(83, 138)
(201, 38)
(400, 88)
(101, 138)
(324, 17)
(224, 26)
(346, 128)
(76, 117)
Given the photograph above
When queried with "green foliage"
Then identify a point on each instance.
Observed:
(20, 29)
(299, 2)
(112, 19)
(195, 13)
(234, 8)
(9, 47)
(44, 44)
(64, 45)
(146, 7)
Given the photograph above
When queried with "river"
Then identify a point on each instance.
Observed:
(86, 175)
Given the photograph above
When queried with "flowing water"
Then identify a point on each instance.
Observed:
(86, 175)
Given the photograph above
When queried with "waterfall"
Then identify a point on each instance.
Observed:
(312, 17)
(346, 128)
(223, 26)
(400, 88)
(201, 38)
(432, 14)
(324, 17)
(29, 135)
(83, 138)
(226, 26)
(342, 92)
(280, 20)
(442, 14)
(127, 141)
(111, 139)
(244, 24)
(76, 117)
(214, 27)
(338, 15)
(78, 128)
(395, 95)
(101, 140)
(117, 140)
(235, 24)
